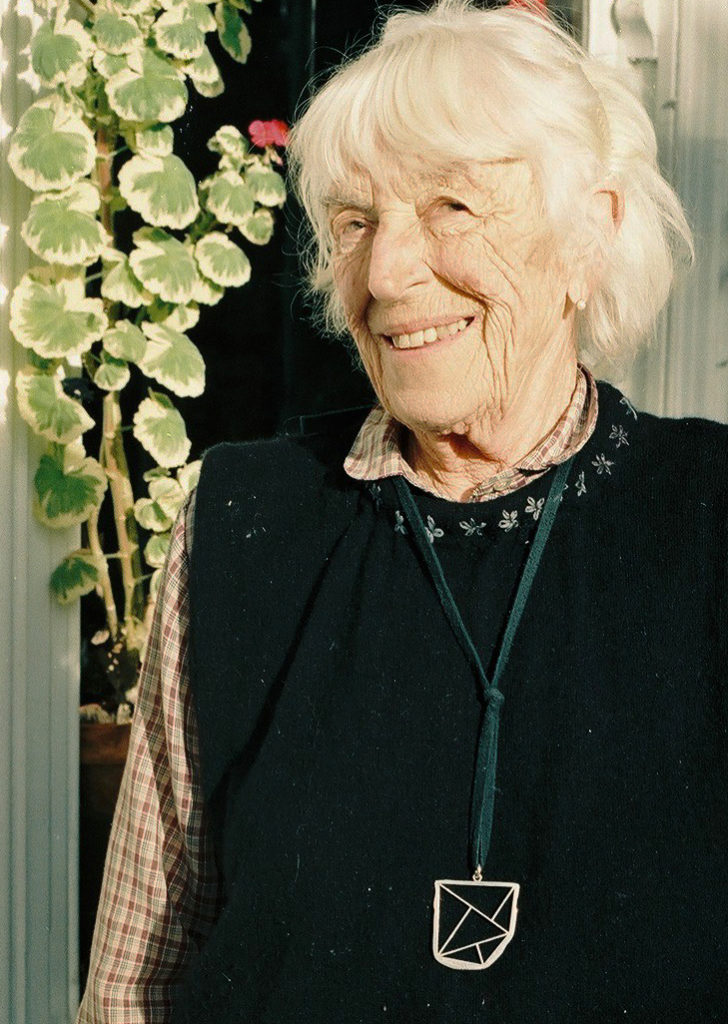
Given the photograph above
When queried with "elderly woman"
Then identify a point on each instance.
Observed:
(432, 726)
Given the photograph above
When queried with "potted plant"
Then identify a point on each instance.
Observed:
(107, 309)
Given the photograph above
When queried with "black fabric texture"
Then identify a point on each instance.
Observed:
(338, 719)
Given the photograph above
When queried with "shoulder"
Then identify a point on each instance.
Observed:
(683, 451)
(289, 471)
(307, 442)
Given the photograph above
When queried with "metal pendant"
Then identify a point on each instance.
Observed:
(473, 922)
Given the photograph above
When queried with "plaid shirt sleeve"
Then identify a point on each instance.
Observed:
(161, 891)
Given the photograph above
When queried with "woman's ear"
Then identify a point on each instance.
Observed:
(609, 201)
(603, 218)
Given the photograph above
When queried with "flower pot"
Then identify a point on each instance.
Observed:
(103, 750)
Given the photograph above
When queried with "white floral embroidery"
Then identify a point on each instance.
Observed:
(255, 531)
(580, 484)
(472, 528)
(630, 408)
(509, 520)
(376, 492)
(619, 434)
(535, 508)
(399, 526)
(602, 464)
(433, 531)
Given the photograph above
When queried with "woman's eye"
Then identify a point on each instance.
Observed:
(456, 207)
(449, 212)
(348, 232)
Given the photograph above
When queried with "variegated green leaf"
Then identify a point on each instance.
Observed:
(157, 140)
(232, 31)
(164, 265)
(200, 11)
(60, 51)
(258, 228)
(47, 409)
(156, 472)
(189, 476)
(155, 552)
(222, 261)
(242, 5)
(63, 228)
(68, 486)
(155, 585)
(206, 292)
(203, 70)
(112, 374)
(51, 147)
(177, 32)
(149, 89)
(75, 576)
(168, 494)
(172, 360)
(266, 186)
(179, 318)
(210, 88)
(228, 141)
(119, 283)
(229, 198)
(108, 64)
(150, 516)
(116, 33)
(161, 189)
(55, 318)
(135, 7)
(125, 341)
(160, 429)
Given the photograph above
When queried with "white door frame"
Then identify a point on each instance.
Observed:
(39, 645)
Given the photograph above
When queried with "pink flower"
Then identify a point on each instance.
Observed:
(268, 133)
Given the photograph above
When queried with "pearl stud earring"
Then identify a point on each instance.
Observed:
(581, 304)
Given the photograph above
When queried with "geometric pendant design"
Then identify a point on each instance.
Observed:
(473, 922)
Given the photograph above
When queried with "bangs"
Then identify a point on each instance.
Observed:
(403, 108)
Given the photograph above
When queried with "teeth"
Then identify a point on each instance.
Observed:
(426, 337)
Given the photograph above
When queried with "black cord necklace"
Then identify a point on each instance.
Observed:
(475, 920)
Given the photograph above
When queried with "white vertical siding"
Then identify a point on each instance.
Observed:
(38, 660)
(683, 374)
(697, 360)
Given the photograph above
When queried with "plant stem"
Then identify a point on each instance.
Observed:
(113, 454)
(94, 543)
(122, 497)
(104, 159)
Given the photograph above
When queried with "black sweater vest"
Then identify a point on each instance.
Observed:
(338, 719)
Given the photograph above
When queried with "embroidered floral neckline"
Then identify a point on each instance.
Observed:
(517, 513)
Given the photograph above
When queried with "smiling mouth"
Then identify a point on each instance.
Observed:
(429, 335)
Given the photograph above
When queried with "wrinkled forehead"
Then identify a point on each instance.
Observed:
(417, 178)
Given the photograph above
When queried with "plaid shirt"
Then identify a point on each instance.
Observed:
(161, 893)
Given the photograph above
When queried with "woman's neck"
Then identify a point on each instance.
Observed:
(454, 464)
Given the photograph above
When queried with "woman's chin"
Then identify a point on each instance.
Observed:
(434, 416)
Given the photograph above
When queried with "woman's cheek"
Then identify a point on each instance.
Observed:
(467, 263)
(351, 285)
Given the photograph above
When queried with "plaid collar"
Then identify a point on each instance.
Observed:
(376, 452)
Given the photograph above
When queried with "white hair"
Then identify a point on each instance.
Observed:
(456, 84)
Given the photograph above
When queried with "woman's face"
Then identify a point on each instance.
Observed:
(452, 287)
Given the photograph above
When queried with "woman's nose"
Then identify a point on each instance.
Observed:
(397, 260)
